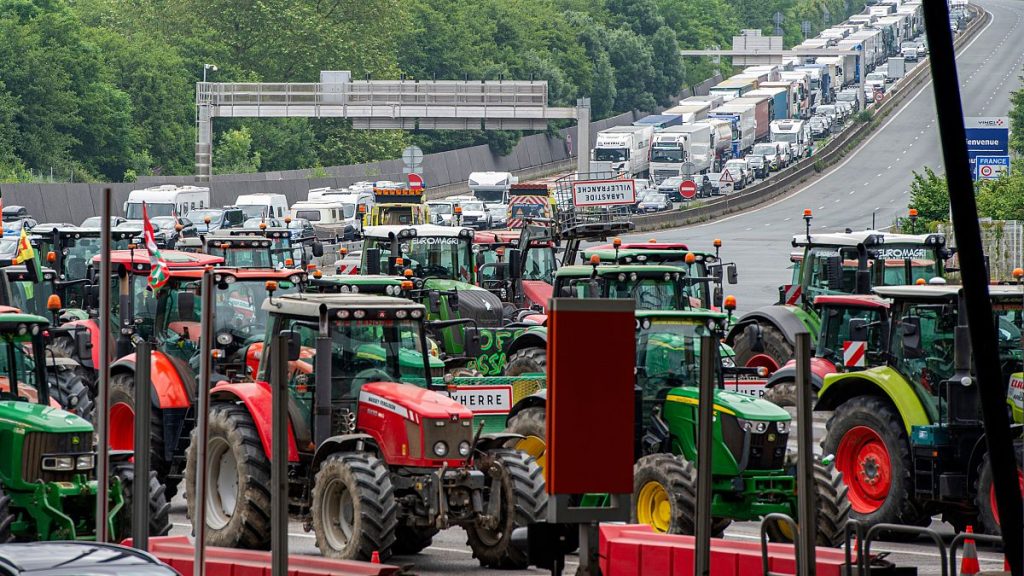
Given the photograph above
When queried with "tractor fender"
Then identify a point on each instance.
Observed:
(258, 400)
(496, 440)
(820, 368)
(342, 443)
(882, 381)
(537, 399)
(169, 389)
(533, 337)
(785, 318)
(537, 292)
(93, 329)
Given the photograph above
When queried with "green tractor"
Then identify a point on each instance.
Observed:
(70, 251)
(469, 322)
(907, 435)
(47, 477)
(845, 263)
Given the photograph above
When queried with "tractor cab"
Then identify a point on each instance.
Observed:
(705, 272)
(21, 343)
(524, 278)
(286, 250)
(242, 251)
(652, 287)
(70, 251)
(397, 207)
(19, 291)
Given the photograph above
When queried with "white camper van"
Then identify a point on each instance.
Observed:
(166, 200)
(263, 205)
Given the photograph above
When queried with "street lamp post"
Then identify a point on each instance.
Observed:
(206, 67)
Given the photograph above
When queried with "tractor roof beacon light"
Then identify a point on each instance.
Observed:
(690, 258)
(913, 220)
(617, 243)
(718, 247)
(595, 260)
(271, 287)
(808, 216)
(730, 305)
(51, 256)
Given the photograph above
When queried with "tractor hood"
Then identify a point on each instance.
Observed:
(733, 403)
(537, 292)
(412, 402)
(474, 302)
(29, 417)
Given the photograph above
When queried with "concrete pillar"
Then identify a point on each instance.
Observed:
(204, 142)
(583, 136)
(862, 69)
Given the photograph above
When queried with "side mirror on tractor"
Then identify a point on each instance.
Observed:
(434, 301)
(755, 335)
(453, 300)
(514, 258)
(318, 249)
(858, 329)
(294, 345)
(910, 331)
(835, 273)
(732, 275)
(91, 296)
(83, 345)
(472, 342)
(187, 305)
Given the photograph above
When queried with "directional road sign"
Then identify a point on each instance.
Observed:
(991, 167)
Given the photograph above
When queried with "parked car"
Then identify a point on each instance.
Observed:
(771, 155)
(65, 558)
(670, 187)
(167, 232)
(655, 203)
(845, 109)
(717, 186)
(220, 218)
(96, 221)
(301, 228)
(15, 218)
(740, 173)
(849, 95)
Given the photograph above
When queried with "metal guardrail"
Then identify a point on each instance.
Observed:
(806, 168)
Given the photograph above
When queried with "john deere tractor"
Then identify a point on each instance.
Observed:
(382, 457)
(47, 472)
(907, 434)
(846, 263)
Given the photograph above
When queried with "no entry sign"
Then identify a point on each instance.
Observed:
(688, 189)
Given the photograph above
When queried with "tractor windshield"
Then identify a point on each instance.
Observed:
(539, 264)
(835, 332)
(650, 292)
(906, 264)
(444, 257)
(244, 257)
(667, 356)
(30, 297)
(17, 365)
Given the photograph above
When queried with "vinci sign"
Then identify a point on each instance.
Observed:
(987, 136)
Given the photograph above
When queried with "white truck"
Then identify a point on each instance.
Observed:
(690, 111)
(722, 135)
(621, 150)
(678, 145)
(492, 189)
(263, 205)
(166, 200)
(744, 123)
(795, 133)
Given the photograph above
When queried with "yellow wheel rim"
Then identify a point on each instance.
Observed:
(535, 447)
(786, 531)
(653, 507)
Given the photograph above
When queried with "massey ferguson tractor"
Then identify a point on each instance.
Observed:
(847, 263)
(380, 456)
(48, 467)
(907, 433)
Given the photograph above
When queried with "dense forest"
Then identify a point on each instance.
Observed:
(105, 89)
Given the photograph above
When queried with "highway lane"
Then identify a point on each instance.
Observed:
(872, 184)
(874, 180)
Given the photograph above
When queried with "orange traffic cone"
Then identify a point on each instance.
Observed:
(969, 563)
(375, 557)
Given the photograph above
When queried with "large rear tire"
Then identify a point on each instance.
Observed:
(523, 502)
(526, 361)
(775, 345)
(122, 428)
(238, 480)
(70, 391)
(354, 508)
(159, 508)
(531, 424)
(782, 394)
(63, 346)
(867, 437)
(985, 497)
(6, 517)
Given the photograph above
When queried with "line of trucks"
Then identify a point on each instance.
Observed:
(765, 103)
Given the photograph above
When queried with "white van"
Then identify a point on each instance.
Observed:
(166, 200)
(327, 217)
(263, 205)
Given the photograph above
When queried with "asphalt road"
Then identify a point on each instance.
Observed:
(873, 181)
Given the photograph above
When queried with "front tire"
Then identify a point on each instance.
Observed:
(159, 508)
(238, 481)
(867, 437)
(832, 508)
(782, 394)
(122, 427)
(70, 391)
(531, 424)
(6, 517)
(524, 502)
(985, 497)
(775, 345)
(665, 496)
(354, 508)
(526, 361)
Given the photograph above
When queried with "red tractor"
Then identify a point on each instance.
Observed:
(524, 278)
(380, 457)
(172, 320)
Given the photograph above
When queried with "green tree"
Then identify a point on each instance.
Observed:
(631, 58)
(930, 196)
(1017, 121)
(668, 66)
(234, 154)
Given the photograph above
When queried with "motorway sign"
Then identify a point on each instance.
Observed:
(415, 182)
(688, 189)
(603, 192)
(986, 136)
(991, 167)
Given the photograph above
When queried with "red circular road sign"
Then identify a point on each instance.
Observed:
(415, 182)
(687, 189)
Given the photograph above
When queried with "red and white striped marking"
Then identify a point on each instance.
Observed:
(792, 294)
(855, 353)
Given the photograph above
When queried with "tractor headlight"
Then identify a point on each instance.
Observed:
(440, 449)
(87, 462)
(728, 362)
(224, 338)
(58, 463)
(753, 426)
(464, 448)
(783, 426)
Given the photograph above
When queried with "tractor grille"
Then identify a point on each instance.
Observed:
(452, 433)
(766, 451)
(39, 443)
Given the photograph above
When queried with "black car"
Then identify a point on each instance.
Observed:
(213, 219)
(74, 558)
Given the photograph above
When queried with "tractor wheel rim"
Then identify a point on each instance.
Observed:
(535, 447)
(653, 507)
(992, 496)
(867, 468)
(122, 426)
(221, 483)
(338, 510)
